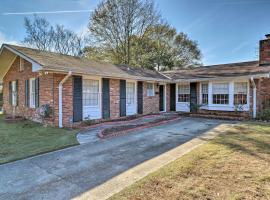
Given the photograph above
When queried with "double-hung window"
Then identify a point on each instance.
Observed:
(14, 93)
(184, 93)
(150, 89)
(90, 93)
(204, 93)
(240, 93)
(32, 94)
(221, 93)
(130, 93)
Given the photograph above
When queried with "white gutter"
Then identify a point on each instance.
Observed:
(60, 110)
(254, 97)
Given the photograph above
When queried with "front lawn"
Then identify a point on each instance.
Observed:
(235, 165)
(24, 139)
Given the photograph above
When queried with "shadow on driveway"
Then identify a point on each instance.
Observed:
(68, 173)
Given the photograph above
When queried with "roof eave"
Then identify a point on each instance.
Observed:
(110, 76)
(35, 65)
(258, 75)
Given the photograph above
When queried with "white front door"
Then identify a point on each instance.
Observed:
(131, 108)
(91, 99)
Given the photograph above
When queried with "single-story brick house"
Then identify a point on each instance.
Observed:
(79, 89)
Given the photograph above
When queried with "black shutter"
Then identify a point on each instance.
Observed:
(77, 99)
(172, 96)
(140, 97)
(105, 98)
(37, 92)
(122, 98)
(193, 97)
(10, 92)
(161, 98)
(27, 93)
(17, 92)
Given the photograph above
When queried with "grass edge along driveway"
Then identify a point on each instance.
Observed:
(25, 139)
(234, 165)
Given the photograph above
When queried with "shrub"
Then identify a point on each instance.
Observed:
(45, 111)
(264, 115)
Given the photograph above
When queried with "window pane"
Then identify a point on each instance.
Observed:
(240, 93)
(150, 89)
(183, 89)
(130, 93)
(183, 93)
(32, 93)
(205, 93)
(90, 92)
(220, 88)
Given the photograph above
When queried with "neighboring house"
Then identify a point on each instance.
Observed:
(78, 89)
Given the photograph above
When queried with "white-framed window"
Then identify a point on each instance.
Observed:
(32, 92)
(221, 93)
(21, 64)
(150, 89)
(90, 92)
(14, 93)
(183, 93)
(240, 93)
(130, 93)
(204, 93)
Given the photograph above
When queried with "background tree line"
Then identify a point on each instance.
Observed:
(128, 32)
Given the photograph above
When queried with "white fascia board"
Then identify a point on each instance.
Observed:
(264, 75)
(35, 66)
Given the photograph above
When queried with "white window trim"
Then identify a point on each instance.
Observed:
(229, 90)
(32, 103)
(225, 107)
(135, 97)
(14, 93)
(99, 92)
(150, 93)
(187, 84)
(100, 95)
(247, 91)
(200, 90)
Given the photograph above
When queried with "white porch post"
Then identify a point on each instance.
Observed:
(254, 98)
(60, 99)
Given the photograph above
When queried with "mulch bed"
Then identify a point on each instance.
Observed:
(120, 130)
(11, 119)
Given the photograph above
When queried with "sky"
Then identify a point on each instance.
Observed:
(226, 30)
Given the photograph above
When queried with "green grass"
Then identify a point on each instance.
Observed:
(24, 139)
(234, 165)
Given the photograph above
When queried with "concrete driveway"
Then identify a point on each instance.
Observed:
(68, 173)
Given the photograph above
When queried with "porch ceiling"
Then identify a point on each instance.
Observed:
(6, 59)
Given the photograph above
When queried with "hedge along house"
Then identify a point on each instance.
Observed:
(76, 89)
(79, 89)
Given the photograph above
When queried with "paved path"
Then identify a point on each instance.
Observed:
(90, 135)
(76, 171)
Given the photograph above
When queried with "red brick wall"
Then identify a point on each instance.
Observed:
(263, 93)
(67, 99)
(150, 104)
(114, 98)
(13, 74)
(48, 93)
(265, 51)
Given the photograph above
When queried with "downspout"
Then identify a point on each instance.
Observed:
(60, 110)
(254, 98)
